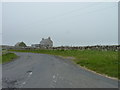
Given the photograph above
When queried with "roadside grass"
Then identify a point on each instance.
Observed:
(7, 57)
(0, 59)
(104, 62)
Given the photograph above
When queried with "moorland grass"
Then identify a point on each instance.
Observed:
(104, 62)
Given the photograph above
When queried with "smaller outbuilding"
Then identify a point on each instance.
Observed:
(20, 44)
(35, 45)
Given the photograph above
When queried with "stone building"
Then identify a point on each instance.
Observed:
(47, 43)
(44, 43)
(20, 44)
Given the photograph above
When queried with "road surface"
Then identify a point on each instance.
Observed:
(32, 70)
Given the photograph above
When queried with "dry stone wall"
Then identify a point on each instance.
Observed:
(97, 47)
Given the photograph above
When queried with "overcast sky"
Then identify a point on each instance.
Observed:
(71, 24)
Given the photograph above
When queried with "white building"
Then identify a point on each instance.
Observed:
(44, 43)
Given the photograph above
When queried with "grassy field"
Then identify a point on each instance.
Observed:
(7, 57)
(104, 62)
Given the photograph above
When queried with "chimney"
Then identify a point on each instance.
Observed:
(49, 38)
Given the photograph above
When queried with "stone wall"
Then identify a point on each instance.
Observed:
(97, 47)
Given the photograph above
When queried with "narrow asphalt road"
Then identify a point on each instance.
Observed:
(32, 70)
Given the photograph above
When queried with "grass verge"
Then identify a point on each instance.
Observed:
(104, 62)
(7, 57)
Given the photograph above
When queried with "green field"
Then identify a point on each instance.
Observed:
(104, 62)
(7, 57)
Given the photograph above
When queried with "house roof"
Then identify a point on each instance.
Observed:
(20, 44)
(46, 41)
